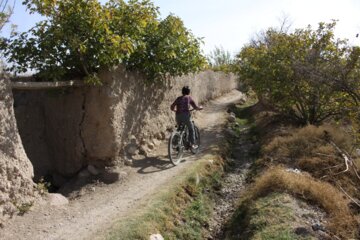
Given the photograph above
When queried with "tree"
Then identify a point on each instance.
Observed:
(220, 59)
(169, 50)
(6, 10)
(79, 37)
(288, 69)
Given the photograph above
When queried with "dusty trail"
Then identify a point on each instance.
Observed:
(86, 216)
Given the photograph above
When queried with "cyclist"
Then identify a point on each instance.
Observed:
(181, 106)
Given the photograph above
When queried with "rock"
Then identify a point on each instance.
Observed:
(143, 141)
(131, 149)
(151, 146)
(143, 150)
(156, 237)
(357, 152)
(242, 101)
(56, 199)
(292, 170)
(132, 139)
(84, 173)
(92, 169)
(160, 136)
(232, 118)
(128, 162)
(317, 227)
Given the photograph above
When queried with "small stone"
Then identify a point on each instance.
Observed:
(357, 152)
(156, 237)
(92, 169)
(132, 139)
(231, 118)
(160, 136)
(242, 101)
(56, 199)
(92, 189)
(317, 227)
(292, 170)
(128, 162)
(151, 146)
(131, 149)
(142, 141)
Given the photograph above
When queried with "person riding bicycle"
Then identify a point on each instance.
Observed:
(181, 106)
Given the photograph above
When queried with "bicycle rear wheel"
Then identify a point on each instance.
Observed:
(175, 148)
(197, 140)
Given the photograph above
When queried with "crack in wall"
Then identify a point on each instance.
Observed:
(84, 153)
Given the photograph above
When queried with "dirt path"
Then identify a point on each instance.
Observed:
(95, 211)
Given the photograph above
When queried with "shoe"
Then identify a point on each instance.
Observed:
(194, 146)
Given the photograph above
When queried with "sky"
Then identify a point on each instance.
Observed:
(232, 23)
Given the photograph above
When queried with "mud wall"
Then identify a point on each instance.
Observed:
(16, 172)
(68, 129)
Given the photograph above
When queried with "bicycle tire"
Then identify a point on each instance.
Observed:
(197, 140)
(175, 148)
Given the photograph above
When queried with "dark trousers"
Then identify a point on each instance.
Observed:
(185, 118)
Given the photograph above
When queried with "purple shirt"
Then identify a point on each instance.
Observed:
(182, 104)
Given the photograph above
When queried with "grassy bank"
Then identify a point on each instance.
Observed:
(180, 210)
(303, 164)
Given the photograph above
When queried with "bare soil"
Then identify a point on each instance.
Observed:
(94, 207)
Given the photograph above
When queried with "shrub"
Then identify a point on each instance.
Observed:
(78, 37)
(291, 71)
(221, 60)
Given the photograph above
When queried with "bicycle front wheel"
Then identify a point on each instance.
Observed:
(175, 148)
(197, 140)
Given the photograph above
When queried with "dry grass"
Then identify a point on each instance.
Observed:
(277, 179)
(309, 149)
(307, 141)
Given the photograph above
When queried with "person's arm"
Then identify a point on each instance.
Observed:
(193, 104)
(172, 107)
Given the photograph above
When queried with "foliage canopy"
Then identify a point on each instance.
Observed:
(78, 37)
(298, 73)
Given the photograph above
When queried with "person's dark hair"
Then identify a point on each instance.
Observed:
(185, 90)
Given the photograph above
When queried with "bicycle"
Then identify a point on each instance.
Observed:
(179, 141)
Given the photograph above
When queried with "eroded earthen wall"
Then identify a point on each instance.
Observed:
(94, 124)
(16, 171)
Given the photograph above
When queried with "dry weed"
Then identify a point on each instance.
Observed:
(307, 141)
(277, 179)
